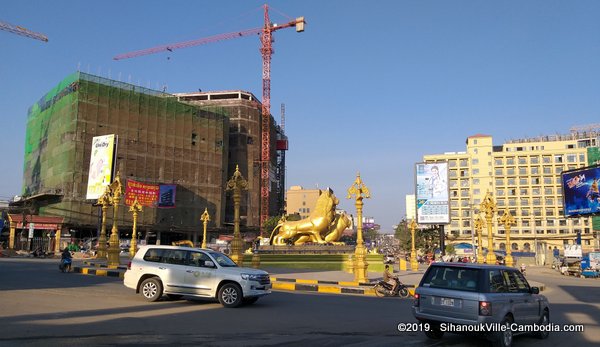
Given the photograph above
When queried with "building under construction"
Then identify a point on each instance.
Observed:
(162, 139)
(244, 148)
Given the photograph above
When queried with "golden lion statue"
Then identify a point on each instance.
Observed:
(323, 225)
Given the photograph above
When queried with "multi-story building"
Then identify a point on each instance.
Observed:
(524, 177)
(162, 139)
(301, 201)
(245, 148)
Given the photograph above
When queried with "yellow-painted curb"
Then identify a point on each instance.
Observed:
(329, 289)
(284, 286)
(307, 281)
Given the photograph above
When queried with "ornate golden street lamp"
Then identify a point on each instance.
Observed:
(113, 243)
(414, 265)
(508, 220)
(135, 208)
(479, 228)
(236, 184)
(488, 206)
(360, 190)
(104, 201)
(205, 218)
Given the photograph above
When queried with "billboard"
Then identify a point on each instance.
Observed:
(146, 194)
(432, 194)
(167, 195)
(101, 165)
(580, 191)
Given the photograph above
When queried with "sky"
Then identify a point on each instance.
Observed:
(369, 87)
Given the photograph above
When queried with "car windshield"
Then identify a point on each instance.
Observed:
(450, 277)
(222, 259)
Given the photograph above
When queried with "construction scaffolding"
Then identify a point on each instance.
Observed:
(160, 141)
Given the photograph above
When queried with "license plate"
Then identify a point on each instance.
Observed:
(446, 302)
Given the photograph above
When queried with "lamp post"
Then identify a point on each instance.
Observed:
(135, 208)
(488, 206)
(508, 220)
(113, 243)
(414, 265)
(205, 218)
(360, 191)
(104, 201)
(236, 184)
(479, 228)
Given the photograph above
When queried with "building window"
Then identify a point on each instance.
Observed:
(475, 171)
(547, 159)
(499, 172)
(547, 180)
(476, 191)
(510, 171)
(500, 192)
(558, 170)
(475, 161)
(549, 212)
(522, 171)
(548, 191)
(582, 158)
(523, 181)
(523, 191)
(463, 162)
(499, 181)
(524, 201)
(558, 158)
(510, 161)
(571, 158)
(535, 160)
(535, 170)
(475, 181)
(522, 160)
(511, 181)
(549, 201)
(452, 163)
(498, 161)
(535, 191)
(524, 213)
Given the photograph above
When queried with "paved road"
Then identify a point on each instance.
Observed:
(39, 306)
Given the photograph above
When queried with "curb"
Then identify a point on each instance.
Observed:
(101, 265)
(340, 283)
(324, 288)
(98, 272)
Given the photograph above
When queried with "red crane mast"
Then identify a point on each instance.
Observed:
(266, 50)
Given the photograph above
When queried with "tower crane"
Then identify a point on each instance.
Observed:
(19, 30)
(266, 51)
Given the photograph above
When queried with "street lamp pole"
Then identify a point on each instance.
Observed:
(360, 191)
(479, 228)
(488, 206)
(135, 208)
(104, 201)
(205, 218)
(114, 249)
(414, 265)
(508, 220)
(236, 184)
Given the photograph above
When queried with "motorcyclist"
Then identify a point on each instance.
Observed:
(66, 255)
(390, 278)
(523, 269)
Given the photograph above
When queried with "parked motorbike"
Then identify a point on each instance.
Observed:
(65, 264)
(382, 288)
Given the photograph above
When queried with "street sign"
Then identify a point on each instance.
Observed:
(31, 229)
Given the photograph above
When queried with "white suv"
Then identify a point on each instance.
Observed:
(183, 271)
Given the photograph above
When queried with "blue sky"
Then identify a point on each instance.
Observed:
(370, 86)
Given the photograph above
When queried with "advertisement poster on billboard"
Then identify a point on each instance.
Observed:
(432, 193)
(167, 195)
(101, 165)
(581, 195)
(146, 194)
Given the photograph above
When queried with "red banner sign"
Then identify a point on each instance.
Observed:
(146, 194)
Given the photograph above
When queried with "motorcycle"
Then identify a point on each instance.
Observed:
(382, 288)
(65, 264)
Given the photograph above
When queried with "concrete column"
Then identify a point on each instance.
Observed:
(158, 235)
(57, 241)
(11, 237)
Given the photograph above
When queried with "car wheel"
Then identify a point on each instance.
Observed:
(504, 338)
(174, 296)
(544, 321)
(434, 332)
(250, 301)
(230, 295)
(151, 289)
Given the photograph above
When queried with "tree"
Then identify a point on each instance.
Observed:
(402, 234)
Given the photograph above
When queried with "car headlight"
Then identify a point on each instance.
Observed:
(250, 277)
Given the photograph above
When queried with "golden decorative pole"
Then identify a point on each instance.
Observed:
(361, 191)
(113, 243)
(205, 218)
(479, 228)
(414, 264)
(105, 200)
(237, 183)
(134, 208)
(488, 206)
(507, 219)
